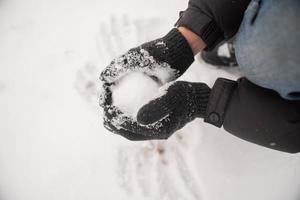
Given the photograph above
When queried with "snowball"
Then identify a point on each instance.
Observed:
(133, 91)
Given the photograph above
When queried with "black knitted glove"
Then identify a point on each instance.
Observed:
(182, 103)
(164, 59)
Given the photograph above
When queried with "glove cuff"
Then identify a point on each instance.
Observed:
(201, 96)
(179, 53)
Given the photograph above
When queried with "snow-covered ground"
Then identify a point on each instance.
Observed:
(52, 142)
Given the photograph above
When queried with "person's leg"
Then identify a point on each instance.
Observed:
(268, 48)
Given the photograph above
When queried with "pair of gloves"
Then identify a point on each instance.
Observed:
(164, 60)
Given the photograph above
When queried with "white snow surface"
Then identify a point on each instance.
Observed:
(52, 142)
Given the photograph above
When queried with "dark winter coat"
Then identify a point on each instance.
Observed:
(244, 109)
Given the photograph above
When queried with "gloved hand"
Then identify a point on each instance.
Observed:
(164, 60)
(160, 118)
(183, 102)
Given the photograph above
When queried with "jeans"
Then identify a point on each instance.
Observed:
(267, 46)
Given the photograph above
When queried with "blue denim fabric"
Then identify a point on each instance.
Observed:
(268, 48)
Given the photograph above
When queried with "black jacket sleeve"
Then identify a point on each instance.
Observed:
(213, 20)
(255, 114)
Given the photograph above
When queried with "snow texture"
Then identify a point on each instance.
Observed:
(52, 142)
(139, 62)
(133, 91)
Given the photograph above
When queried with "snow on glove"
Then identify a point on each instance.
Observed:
(159, 119)
(165, 59)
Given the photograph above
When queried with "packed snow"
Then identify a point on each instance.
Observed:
(52, 142)
(133, 91)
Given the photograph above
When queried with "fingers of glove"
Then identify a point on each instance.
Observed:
(155, 110)
(127, 134)
(114, 70)
(105, 95)
(111, 126)
(162, 106)
(158, 130)
(133, 60)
